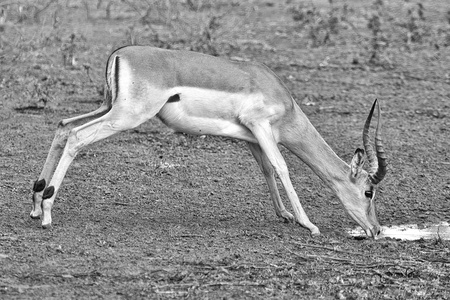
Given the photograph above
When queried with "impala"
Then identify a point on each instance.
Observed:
(201, 94)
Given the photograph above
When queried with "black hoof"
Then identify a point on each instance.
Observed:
(47, 226)
(35, 217)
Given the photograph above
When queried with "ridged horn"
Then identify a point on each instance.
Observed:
(367, 145)
(378, 163)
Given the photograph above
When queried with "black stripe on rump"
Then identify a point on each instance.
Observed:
(116, 75)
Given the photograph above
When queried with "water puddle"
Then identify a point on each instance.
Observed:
(410, 232)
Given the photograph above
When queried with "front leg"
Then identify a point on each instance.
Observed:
(264, 135)
(269, 175)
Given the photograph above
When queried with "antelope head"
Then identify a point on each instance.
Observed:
(359, 196)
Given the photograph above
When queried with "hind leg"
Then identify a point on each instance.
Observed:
(104, 108)
(55, 152)
(116, 120)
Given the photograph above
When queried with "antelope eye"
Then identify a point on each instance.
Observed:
(368, 194)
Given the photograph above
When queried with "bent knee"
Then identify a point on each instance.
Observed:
(268, 171)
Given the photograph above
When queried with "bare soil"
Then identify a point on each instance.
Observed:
(153, 214)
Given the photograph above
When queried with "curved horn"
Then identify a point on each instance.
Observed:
(378, 164)
(367, 145)
(381, 155)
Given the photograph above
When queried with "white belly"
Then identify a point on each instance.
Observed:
(200, 111)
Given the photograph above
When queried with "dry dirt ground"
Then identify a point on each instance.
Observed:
(153, 214)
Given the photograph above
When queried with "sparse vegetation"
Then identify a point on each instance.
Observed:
(378, 40)
(152, 214)
(320, 26)
(192, 25)
(388, 23)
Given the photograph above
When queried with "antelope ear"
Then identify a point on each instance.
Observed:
(357, 163)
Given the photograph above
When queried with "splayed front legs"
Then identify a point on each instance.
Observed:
(269, 175)
(269, 149)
